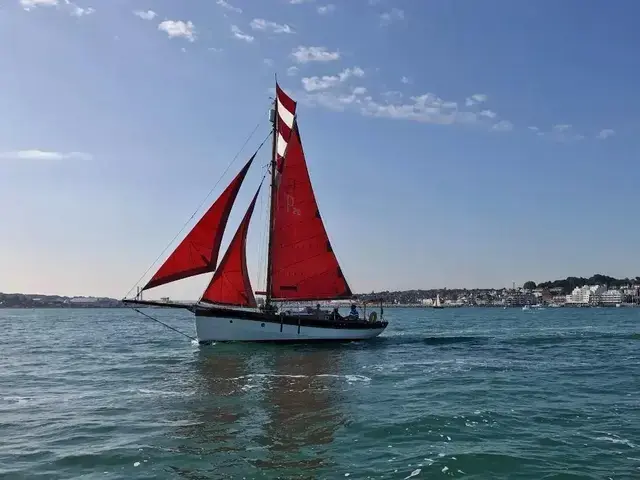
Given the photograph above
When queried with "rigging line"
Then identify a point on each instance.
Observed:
(202, 203)
(164, 324)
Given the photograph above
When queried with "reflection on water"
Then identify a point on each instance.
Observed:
(303, 405)
(268, 412)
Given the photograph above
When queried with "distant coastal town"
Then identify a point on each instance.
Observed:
(596, 291)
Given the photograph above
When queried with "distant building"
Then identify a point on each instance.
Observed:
(587, 295)
(518, 299)
(611, 297)
(83, 300)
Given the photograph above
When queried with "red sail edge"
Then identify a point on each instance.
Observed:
(304, 266)
(230, 284)
(198, 251)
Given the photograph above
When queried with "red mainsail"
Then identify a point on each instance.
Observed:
(303, 265)
(198, 252)
(230, 284)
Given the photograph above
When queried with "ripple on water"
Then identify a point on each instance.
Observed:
(465, 394)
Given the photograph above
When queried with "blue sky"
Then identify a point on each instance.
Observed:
(451, 143)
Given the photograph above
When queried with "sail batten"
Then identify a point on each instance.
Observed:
(303, 264)
(198, 251)
(230, 284)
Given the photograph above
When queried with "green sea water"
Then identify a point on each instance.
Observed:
(460, 393)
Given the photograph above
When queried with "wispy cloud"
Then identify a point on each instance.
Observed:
(268, 62)
(148, 15)
(228, 6)
(312, 84)
(240, 35)
(29, 4)
(292, 71)
(268, 26)
(298, 2)
(67, 5)
(77, 11)
(563, 133)
(475, 99)
(326, 9)
(44, 155)
(502, 126)
(314, 54)
(405, 80)
(393, 15)
(179, 29)
(604, 134)
(488, 113)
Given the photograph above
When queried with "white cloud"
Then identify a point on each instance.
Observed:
(292, 71)
(325, 9)
(312, 84)
(29, 4)
(77, 11)
(327, 92)
(266, 25)
(240, 35)
(228, 6)
(314, 54)
(502, 126)
(391, 16)
(45, 155)
(534, 129)
(606, 133)
(72, 8)
(214, 49)
(298, 2)
(563, 133)
(148, 15)
(405, 80)
(488, 113)
(179, 29)
(476, 99)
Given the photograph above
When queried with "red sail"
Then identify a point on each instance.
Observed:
(198, 252)
(230, 284)
(304, 266)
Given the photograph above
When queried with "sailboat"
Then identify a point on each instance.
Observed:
(301, 263)
(437, 303)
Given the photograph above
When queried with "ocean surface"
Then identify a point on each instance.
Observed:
(460, 393)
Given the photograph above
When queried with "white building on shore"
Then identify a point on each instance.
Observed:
(611, 297)
(587, 295)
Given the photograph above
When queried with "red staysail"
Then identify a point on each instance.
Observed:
(230, 284)
(198, 252)
(304, 266)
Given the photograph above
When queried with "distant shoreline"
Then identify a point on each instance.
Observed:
(370, 306)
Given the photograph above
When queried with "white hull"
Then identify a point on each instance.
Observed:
(219, 329)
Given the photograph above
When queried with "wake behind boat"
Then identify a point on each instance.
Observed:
(301, 264)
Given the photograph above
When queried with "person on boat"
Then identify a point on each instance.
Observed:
(353, 314)
(336, 314)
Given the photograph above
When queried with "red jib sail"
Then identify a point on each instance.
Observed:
(230, 284)
(304, 266)
(198, 252)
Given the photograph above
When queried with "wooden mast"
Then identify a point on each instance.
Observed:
(272, 206)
